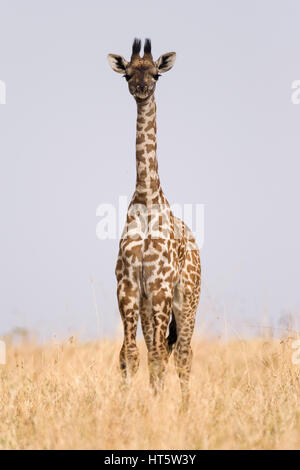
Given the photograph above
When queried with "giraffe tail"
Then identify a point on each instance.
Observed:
(172, 338)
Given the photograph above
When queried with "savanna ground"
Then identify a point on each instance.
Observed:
(244, 395)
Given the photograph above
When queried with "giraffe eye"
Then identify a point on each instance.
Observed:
(128, 77)
(156, 77)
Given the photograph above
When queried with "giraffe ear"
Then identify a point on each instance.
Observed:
(166, 62)
(117, 63)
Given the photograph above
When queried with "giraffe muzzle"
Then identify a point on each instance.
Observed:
(142, 88)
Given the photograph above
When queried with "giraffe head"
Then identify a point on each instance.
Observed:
(142, 73)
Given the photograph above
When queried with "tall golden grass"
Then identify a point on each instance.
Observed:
(244, 395)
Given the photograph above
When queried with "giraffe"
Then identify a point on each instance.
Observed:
(158, 269)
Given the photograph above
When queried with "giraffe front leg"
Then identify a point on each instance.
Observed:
(147, 322)
(158, 353)
(128, 298)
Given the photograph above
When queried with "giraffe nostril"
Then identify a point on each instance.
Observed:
(142, 87)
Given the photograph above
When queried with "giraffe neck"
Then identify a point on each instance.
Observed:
(147, 178)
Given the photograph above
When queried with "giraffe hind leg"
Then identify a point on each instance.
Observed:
(185, 313)
(172, 337)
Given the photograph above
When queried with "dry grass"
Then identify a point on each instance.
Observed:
(244, 395)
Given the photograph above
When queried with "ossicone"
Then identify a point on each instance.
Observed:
(147, 46)
(136, 47)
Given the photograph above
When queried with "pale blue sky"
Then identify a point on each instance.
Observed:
(228, 137)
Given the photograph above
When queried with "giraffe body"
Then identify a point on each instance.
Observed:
(158, 268)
